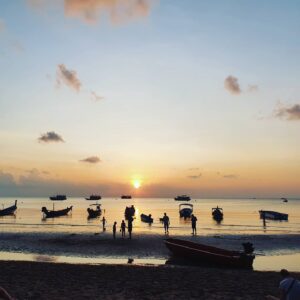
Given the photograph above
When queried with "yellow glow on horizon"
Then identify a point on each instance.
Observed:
(136, 183)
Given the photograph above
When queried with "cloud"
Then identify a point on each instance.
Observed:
(6, 179)
(50, 137)
(232, 85)
(68, 77)
(96, 97)
(91, 11)
(252, 88)
(118, 11)
(194, 176)
(230, 176)
(91, 160)
(290, 113)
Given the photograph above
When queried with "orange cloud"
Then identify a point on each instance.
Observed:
(118, 11)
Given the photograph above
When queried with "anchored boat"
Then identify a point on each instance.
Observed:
(182, 198)
(185, 210)
(126, 197)
(56, 213)
(146, 219)
(9, 210)
(200, 253)
(273, 215)
(58, 198)
(217, 213)
(93, 197)
(94, 213)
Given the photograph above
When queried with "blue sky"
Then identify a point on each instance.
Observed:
(164, 109)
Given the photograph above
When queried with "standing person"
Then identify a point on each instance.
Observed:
(289, 287)
(114, 230)
(129, 226)
(103, 223)
(194, 224)
(166, 222)
(123, 227)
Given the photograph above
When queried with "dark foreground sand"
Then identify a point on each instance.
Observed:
(34, 280)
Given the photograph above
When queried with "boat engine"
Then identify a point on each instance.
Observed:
(248, 248)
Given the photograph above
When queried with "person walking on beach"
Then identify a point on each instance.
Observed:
(289, 287)
(129, 226)
(166, 222)
(103, 223)
(123, 227)
(194, 224)
(114, 230)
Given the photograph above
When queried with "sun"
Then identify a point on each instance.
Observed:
(137, 183)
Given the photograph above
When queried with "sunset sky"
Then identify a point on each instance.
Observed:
(196, 97)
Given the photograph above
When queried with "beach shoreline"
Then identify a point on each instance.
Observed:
(40, 280)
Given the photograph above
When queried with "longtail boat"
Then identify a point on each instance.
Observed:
(9, 210)
(217, 213)
(56, 213)
(200, 253)
(146, 219)
(94, 213)
(273, 215)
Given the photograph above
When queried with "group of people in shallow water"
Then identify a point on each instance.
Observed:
(129, 216)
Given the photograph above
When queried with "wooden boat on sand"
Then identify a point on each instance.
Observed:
(56, 213)
(199, 253)
(9, 210)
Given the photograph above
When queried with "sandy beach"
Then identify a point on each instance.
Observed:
(35, 280)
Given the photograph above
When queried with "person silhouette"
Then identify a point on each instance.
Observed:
(114, 230)
(123, 227)
(129, 226)
(103, 223)
(194, 224)
(166, 222)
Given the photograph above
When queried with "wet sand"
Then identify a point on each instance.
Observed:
(35, 280)
(141, 246)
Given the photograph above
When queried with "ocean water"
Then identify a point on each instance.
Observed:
(240, 216)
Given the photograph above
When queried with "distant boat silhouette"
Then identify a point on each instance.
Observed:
(182, 198)
(58, 198)
(94, 197)
(284, 199)
(9, 210)
(126, 197)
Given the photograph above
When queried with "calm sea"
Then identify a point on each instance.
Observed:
(240, 215)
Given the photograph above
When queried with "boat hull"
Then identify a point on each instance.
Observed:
(146, 219)
(273, 215)
(198, 253)
(8, 211)
(56, 213)
(93, 213)
(185, 213)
